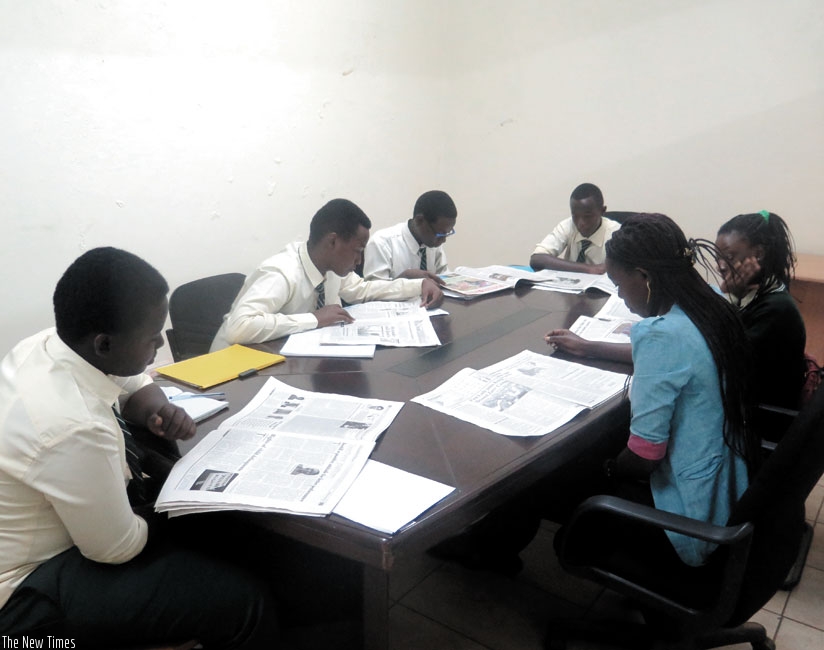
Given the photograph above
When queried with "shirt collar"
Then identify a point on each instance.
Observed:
(409, 239)
(315, 277)
(748, 297)
(597, 238)
(87, 376)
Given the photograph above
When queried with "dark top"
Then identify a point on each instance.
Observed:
(776, 332)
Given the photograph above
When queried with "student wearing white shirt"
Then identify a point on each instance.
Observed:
(74, 558)
(413, 248)
(301, 287)
(578, 242)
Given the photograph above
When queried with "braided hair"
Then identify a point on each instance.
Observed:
(769, 231)
(655, 243)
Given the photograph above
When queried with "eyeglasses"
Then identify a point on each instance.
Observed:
(441, 235)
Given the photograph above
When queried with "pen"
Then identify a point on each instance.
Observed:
(177, 398)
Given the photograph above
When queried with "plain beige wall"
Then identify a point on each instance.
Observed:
(698, 109)
(203, 135)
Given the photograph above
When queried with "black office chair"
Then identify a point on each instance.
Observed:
(196, 310)
(618, 216)
(709, 606)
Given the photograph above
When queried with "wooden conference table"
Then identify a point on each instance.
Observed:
(485, 467)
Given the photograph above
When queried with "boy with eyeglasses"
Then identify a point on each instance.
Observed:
(413, 248)
(303, 287)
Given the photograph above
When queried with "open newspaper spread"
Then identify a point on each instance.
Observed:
(467, 283)
(288, 450)
(528, 394)
(394, 324)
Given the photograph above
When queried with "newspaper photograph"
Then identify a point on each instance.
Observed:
(528, 394)
(610, 330)
(288, 450)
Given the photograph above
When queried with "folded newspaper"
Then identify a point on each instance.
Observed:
(528, 394)
(288, 450)
(612, 323)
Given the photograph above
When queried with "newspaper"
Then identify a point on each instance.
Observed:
(528, 394)
(288, 450)
(572, 282)
(310, 344)
(466, 282)
(395, 324)
(612, 323)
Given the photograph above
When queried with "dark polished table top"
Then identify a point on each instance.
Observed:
(486, 468)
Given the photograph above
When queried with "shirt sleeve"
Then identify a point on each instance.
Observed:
(377, 260)
(555, 242)
(82, 478)
(659, 376)
(256, 317)
(355, 289)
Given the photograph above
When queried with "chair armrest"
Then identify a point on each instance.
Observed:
(724, 535)
(778, 409)
(718, 596)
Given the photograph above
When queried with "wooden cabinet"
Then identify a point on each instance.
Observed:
(808, 290)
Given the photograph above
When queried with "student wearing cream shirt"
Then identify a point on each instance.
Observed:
(302, 287)
(76, 564)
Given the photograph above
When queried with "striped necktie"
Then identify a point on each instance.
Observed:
(137, 488)
(585, 243)
(321, 295)
(422, 251)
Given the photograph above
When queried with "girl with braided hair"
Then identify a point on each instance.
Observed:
(690, 395)
(756, 268)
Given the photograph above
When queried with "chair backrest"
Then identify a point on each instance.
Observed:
(774, 503)
(196, 310)
(620, 217)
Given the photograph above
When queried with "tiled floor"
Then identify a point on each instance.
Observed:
(440, 606)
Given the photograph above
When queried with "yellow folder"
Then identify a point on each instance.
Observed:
(217, 367)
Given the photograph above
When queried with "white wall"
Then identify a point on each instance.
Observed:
(203, 134)
(699, 109)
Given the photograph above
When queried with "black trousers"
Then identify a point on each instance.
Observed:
(167, 594)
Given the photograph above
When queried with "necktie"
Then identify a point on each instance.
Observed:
(137, 488)
(422, 251)
(585, 243)
(321, 296)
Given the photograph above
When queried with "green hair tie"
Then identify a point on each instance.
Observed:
(765, 214)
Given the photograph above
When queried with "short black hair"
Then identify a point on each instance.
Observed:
(587, 190)
(340, 216)
(105, 291)
(433, 205)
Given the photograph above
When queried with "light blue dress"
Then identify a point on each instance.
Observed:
(677, 411)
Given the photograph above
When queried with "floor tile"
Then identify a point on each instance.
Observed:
(409, 630)
(497, 612)
(813, 503)
(797, 636)
(778, 602)
(408, 572)
(815, 557)
(806, 602)
(541, 569)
